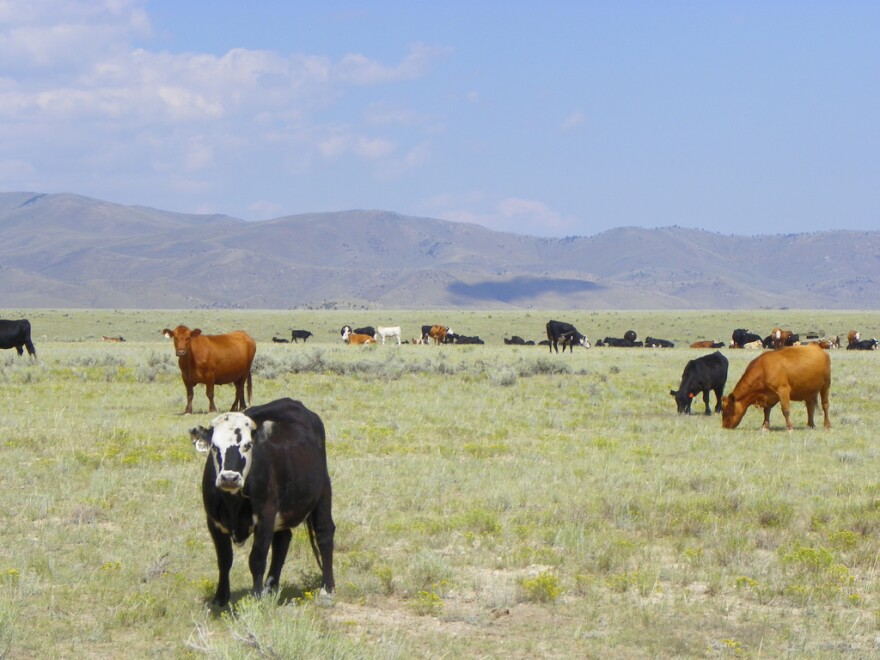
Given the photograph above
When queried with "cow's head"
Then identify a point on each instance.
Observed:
(732, 412)
(230, 441)
(683, 400)
(182, 337)
(584, 341)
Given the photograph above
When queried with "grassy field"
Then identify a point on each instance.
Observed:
(491, 501)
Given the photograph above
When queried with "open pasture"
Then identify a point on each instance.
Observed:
(490, 500)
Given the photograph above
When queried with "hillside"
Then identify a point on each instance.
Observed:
(70, 251)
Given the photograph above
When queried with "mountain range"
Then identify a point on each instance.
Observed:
(70, 251)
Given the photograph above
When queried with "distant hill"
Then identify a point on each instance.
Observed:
(69, 251)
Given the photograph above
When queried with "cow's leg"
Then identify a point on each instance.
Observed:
(719, 394)
(259, 551)
(20, 349)
(189, 398)
(239, 403)
(766, 425)
(29, 345)
(223, 546)
(825, 407)
(706, 401)
(323, 528)
(785, 404)
(280, 544)
(209, 391)
(811, 403)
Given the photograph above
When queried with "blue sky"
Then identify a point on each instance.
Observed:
(543, 118)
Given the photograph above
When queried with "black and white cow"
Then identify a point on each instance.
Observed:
(741, 337)
(703, 374)
(265, 474)
(653, 342)
(366, 330)
(296, 335)
(862, 345)
(17, 335)
(567, 334)
(621, 342)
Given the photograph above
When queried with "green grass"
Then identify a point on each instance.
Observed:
(490, 500)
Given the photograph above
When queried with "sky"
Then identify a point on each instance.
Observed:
(553, 118)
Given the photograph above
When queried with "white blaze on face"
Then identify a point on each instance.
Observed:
(231, 447)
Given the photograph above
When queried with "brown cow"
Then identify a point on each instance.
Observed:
(708, 344)
(438, 333)
(357, 339)
(214, 360)
(794, 373)
(780, 338)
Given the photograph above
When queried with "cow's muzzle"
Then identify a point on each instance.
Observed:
(230, 481)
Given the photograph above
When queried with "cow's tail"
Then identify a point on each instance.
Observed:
(250, 396)
(314, 541)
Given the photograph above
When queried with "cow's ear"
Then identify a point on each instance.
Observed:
(195, 333)
(673, 392)
(201, 438)
(167, 333)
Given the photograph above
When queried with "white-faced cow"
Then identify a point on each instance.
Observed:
(17, 335)
(567, 334)
(702, 375)
(213, 360)
(265, 474)
(366, 330)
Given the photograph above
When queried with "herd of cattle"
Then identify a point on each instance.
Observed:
(266, 470)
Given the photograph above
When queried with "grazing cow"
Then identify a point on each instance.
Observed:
(17, 334)
(366, 330)
(266, 473)
(358, 339)
(793, 373)
(112, 340)
(214, 360)
(741, 337)
(862, 345)
(387, 331)
(704, 374)
(619, 342)
(560, 331)
(296, 335)
(708, 344)
(438, 333)
(653, 342)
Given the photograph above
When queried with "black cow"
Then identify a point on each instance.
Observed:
(741, 337)
(453, 338)
(296, 335)
(703, 374)
(280, 340)
(17, 335)
(653, 342)
(621, 342)
(516, 340)
(559, 331)
(862, 345)
(266, 473)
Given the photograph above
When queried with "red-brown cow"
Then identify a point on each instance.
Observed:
(358, 339)
(795, 373)
(214, 360)
(438, 333)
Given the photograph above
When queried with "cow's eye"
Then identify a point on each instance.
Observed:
(246, 446)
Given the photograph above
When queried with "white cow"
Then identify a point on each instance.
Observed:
(388, 331)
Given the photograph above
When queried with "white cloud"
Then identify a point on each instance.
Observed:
(374, 148)
(512, 214)
(574, 120)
